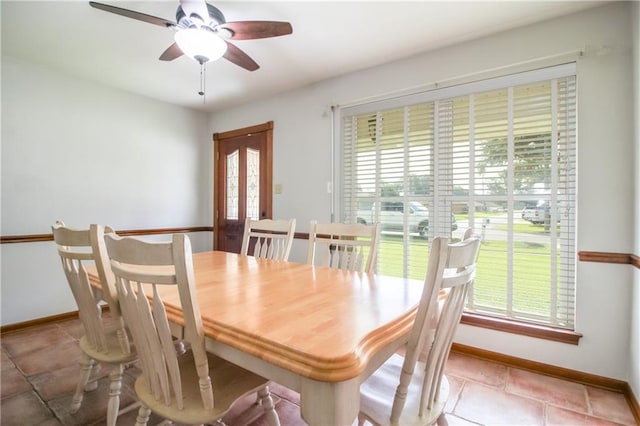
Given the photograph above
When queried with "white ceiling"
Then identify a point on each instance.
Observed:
(329, 39)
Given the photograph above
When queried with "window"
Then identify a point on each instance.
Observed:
(498, 156)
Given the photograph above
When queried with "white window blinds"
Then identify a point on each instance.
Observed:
(498, 156)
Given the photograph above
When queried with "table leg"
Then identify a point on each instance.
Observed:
(335, 404)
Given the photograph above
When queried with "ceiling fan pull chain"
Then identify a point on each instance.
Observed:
(202, 81)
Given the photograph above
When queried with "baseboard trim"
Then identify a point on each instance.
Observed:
(66, 316)
(557, 372)
(633, 402)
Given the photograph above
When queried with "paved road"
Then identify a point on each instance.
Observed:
(494, 230)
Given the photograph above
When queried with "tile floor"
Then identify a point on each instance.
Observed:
(40, 366)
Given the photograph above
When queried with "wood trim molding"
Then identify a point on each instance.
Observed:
(245, 130)
(19, 326)
(605, 257)
(555, 371)
(522, 328)
(32, 238)
(158, 231)
(633, 402)
(301, 235)
(542, 368)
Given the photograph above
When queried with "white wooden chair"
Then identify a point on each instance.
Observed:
(188, 387)
(103, 341)
(405, 391)
(343, 246)
(272, 238)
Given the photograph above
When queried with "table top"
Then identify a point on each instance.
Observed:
(321, 323)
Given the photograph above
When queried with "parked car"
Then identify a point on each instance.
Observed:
(391, 217)
(537, 214)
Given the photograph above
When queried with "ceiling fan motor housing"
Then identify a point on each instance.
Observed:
(215, 18)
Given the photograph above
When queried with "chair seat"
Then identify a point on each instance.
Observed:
(378, 391)
(236, 383)
(114, 353)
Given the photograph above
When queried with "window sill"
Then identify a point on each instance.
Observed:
(525, 329)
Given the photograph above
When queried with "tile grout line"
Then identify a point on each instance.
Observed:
(32, 388)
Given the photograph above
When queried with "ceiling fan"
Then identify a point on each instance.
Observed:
(203, 34)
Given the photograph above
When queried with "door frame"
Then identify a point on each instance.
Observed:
(219, 138)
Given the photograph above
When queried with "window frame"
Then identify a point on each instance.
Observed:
(512, 80)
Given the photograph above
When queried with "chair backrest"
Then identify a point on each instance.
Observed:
(272, 238)
(140, 268)
(450, 274)
(343, 246)
(79, 249)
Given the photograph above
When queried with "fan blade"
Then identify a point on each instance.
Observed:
(250, 30)
(238, 57)
(134, 15)
(171, 53)
(195, 7)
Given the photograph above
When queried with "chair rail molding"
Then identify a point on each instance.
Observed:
(583, 256)
(33, 238)
(606, 257)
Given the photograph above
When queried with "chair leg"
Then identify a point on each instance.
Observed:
(115, 386)
(86, 364)
(92, 384)
(257, 399)
(143, 416)
(267, 405)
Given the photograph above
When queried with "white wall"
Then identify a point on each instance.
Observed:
(634, 369)
(303, 158)
(83, 153)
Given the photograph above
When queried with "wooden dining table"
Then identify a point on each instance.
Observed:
(316, 330)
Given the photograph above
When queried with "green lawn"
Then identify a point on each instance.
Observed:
(532, 265)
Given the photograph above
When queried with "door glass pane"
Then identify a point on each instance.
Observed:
(233, 166)
(253, 183)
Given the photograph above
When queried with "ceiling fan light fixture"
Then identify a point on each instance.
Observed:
(200, 45)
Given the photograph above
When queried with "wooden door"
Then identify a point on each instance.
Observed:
(242, 185)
